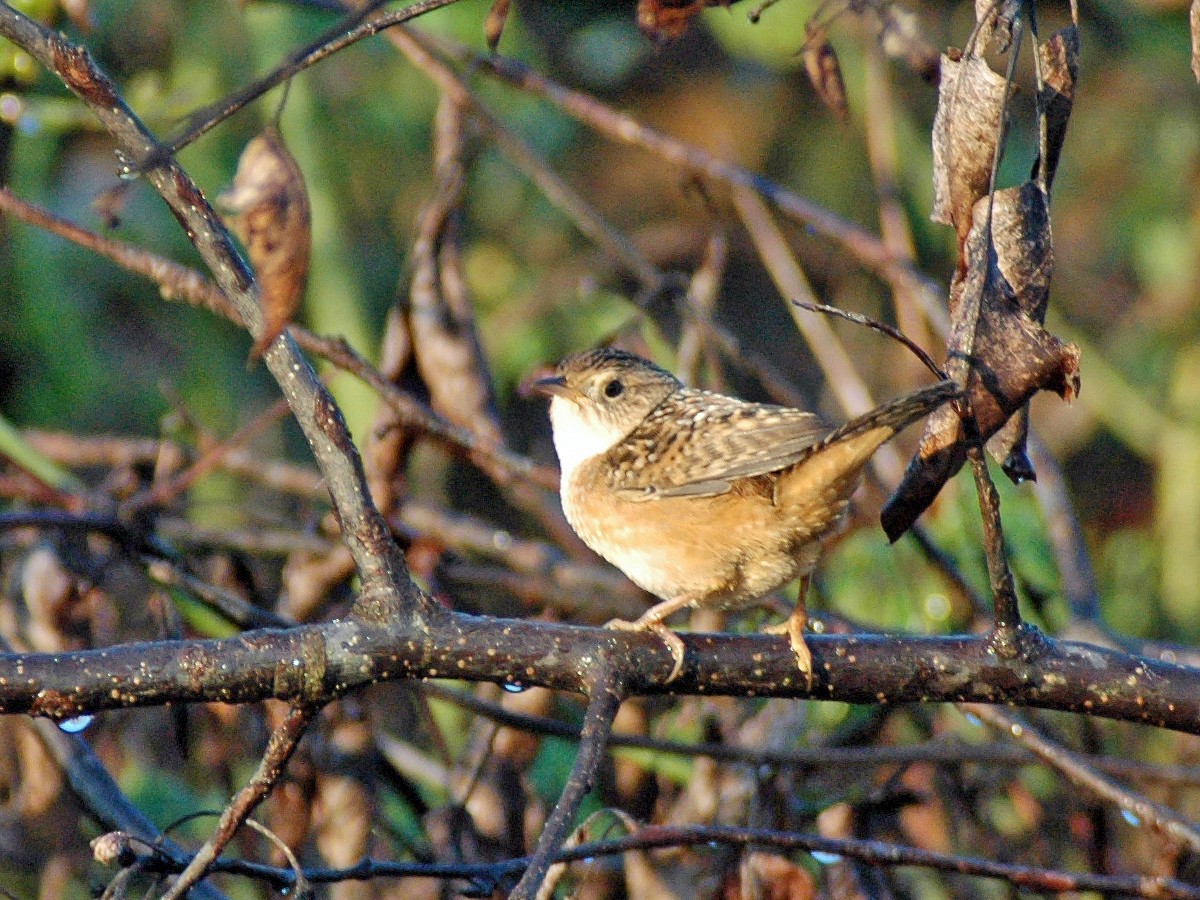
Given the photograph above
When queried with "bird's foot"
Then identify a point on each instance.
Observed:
(794, 629)
(673, 641)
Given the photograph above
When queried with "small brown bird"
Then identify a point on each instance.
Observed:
(703, 499)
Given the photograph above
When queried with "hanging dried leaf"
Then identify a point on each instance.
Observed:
(996, 19)
(970, 109)
(446, 347)
(666, 20)
(821, 64)
(998, 344)
(1060, 67)
(493, 28)
(1008, 447)
(271, 216)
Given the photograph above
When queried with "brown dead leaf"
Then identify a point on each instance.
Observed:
(666, 20)
(1059, 57)
(970, 109)
(493, 27)
(998, 344)
(996, 19)
(271, 215)
(824, 71)
(445, 343)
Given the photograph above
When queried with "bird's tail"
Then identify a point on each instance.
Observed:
(818, 489)
(893, 416)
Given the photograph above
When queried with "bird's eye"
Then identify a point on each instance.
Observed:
(614, 388)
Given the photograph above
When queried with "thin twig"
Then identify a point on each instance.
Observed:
(1007, 613)
(485, 877)
(237, 610)
(882, 327)
(280, 748)
(841, 375)
(1078, 771)
(606, 696)
(362, 22)
(938, 752)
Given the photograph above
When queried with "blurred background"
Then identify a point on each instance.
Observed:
(88, 349)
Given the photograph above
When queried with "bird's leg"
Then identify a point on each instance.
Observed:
(652, 620)
(794, 629)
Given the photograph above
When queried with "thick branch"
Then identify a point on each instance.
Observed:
(312, 663)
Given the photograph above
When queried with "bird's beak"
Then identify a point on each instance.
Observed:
(552, 386)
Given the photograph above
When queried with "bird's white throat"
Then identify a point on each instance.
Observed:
(577, 436)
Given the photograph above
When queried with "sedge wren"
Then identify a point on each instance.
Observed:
(701, 499)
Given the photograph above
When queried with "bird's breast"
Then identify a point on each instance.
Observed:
(725, 550)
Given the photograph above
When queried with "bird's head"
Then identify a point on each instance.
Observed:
(597, 398)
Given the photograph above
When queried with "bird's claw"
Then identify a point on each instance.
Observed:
(794, 629)
(673, 641)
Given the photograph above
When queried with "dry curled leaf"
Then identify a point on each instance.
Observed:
(666, 20)
(271, 215)
(824, 71)
(970, 110)
(1001, 288)
(446, 345)
(998, 344)
(1059, 57)
(493, 26)
(997, 20)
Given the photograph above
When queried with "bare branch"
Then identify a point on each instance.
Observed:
(312, 663)
(280, 748)
(388, 591)
(607, 692)
(1082, 775)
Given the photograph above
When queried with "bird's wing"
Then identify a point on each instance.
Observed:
(697, 446)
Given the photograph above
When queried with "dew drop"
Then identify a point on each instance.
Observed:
(826, 859)
(1131, 818)
(973, 719)
(513, 687)
(76, 724)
